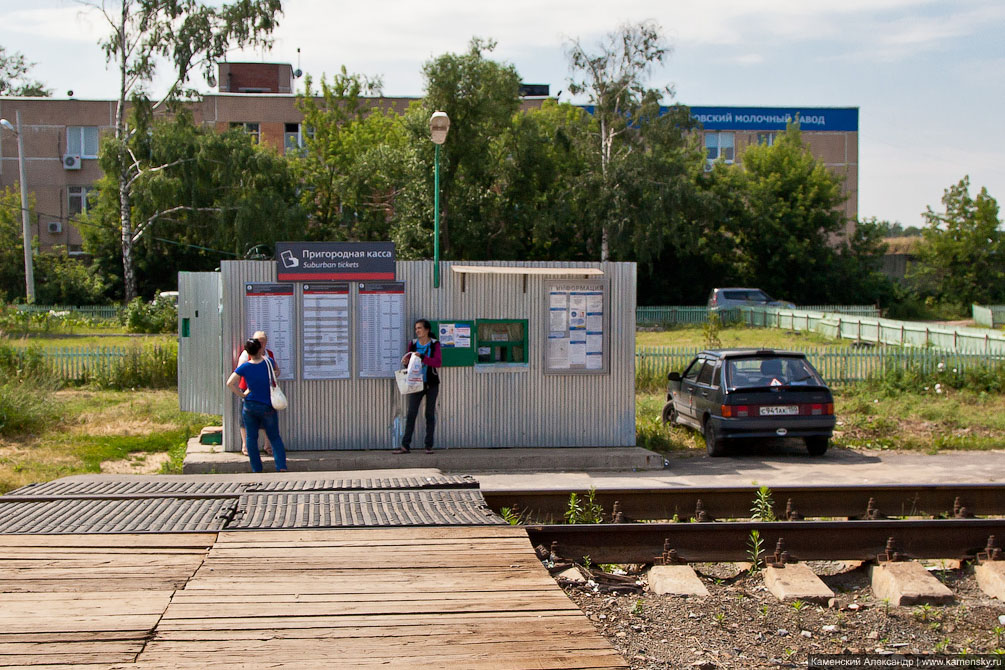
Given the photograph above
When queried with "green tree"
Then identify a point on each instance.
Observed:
(614, 79)
(537, 167)
(62, 280)
(191, 35)
(781, 209)
(348, 166)
(480, 96)
(961, 259)
(211, 196)
(11, 243)
(14, 77)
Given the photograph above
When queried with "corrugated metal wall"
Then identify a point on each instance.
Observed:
(477, 408)
(199, 362)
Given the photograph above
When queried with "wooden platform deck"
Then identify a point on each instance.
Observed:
(426, 597)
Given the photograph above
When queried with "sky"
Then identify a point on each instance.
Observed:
(928, 76)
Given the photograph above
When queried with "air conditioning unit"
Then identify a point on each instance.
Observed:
(55, 227)
(71, 162)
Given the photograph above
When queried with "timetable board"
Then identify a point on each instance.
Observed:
(269, 308)
(380, 330)
(325, 330)
(577, 327)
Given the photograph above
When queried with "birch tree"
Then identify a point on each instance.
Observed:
(614, 78)
(187, 35)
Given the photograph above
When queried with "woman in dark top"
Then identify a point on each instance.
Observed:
(428, 350)
(258, 412)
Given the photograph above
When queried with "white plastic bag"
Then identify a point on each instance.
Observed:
(415, 368)
(410, 381)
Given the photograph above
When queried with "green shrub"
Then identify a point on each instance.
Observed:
(156, 316)
(61, 280)
(21, 364)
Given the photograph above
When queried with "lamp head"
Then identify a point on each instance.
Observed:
(439, 124)
(6, 124)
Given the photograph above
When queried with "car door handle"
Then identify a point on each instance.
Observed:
(705, 393)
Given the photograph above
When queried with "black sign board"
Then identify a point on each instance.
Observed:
(328, 261)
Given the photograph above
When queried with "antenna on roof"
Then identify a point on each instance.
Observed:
(298, 72)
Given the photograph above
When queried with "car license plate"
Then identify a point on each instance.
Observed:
(780, 410)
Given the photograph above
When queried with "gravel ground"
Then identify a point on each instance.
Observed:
(741, 625)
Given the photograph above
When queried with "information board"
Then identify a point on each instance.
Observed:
(380, 331)
(325, 330)
(269, 308)
(457, 347)
(577, 318)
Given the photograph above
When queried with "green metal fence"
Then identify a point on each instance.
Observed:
(989, 316)
(87, 363)
(879, 331)
(837, 365)
(686, 314)
(90, 311)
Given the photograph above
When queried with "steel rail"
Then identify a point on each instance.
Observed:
(734, 502)
(803, 540)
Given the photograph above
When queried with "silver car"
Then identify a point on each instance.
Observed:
(726, 298)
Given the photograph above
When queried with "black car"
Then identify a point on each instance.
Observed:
(746, 393)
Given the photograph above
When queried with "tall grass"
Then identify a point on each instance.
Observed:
(26, 387)
(149, 367)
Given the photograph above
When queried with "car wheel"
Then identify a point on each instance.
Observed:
(713, 443)
(669, 414)
(817, 446)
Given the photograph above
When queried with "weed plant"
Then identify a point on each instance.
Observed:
(984, 377)
(150, 367)
(584, 509)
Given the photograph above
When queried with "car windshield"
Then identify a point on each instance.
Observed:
(748, 295)
(771, 371)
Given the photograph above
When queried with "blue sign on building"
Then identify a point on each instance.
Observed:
(834, 119)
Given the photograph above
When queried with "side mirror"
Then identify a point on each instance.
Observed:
(673, 377)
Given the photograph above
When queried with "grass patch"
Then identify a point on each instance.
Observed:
(92, 426)
(650, 433)
(736, 336)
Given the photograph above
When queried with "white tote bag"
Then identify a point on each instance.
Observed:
(410, 379)
(276, 394)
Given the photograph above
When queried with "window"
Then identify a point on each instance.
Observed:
(718, 145)
(502, 342)
(705, 376)
(692, 372)
(82, 141)
(293, 138)
(78, 198)
(766, 138)
(252, 129)
(717, 377)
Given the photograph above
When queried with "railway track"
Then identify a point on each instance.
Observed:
(713, 524)
(873, 501)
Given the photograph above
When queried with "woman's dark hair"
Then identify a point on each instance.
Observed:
(425, 324)
(252, 346)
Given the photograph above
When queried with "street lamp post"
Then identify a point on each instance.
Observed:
(439, 124)
(29, 272)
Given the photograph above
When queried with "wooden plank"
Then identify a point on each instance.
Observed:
(321, 535)
(139, 540)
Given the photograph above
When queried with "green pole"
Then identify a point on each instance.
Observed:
(436, 219)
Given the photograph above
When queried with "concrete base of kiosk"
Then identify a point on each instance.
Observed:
(210, 459)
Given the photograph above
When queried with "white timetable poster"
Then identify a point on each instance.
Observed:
(269, 308)
(380, 331)
(577, 327)
(325, 330)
